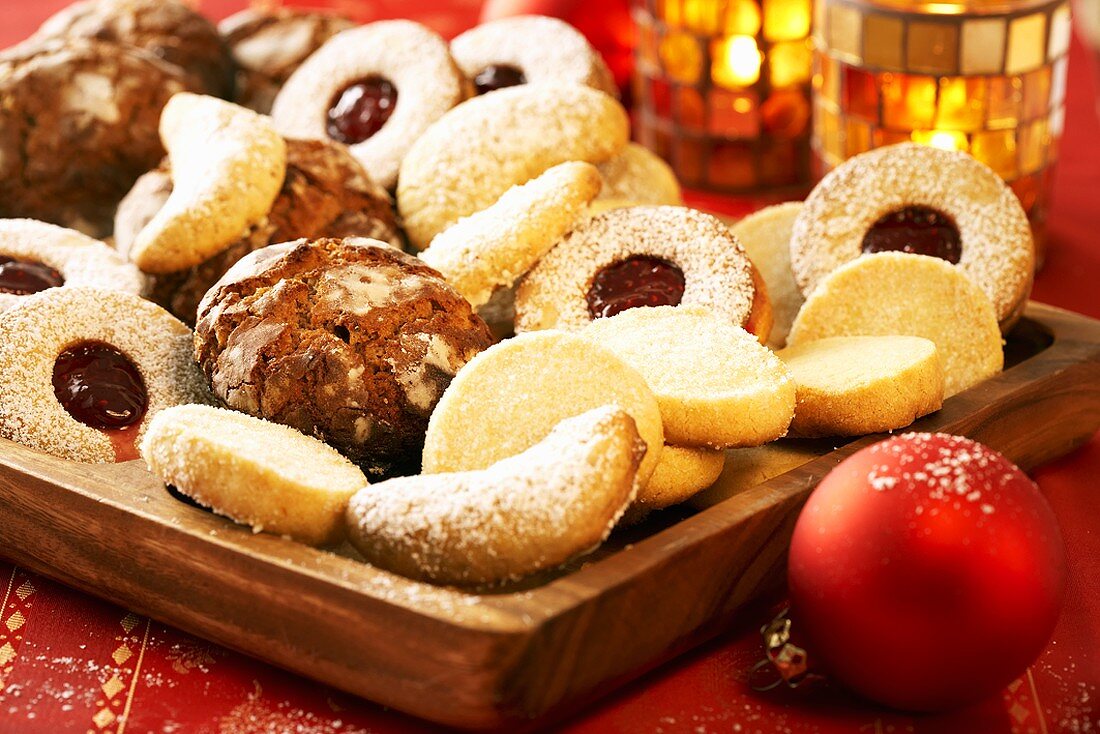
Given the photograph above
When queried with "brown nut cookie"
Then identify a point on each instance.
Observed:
(78, 125)
(529, 48)
(269, 44)
(326, 193)
(487, 145)
(375, 88)
(169, 30)
(349, 341)
(643, 256)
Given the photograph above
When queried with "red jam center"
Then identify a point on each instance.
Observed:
(361, 109)
(637, 281)
(99, 386)
(498, 76)
(23, 277)
(920, 230)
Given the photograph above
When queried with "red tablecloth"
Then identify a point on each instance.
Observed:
(69, 662)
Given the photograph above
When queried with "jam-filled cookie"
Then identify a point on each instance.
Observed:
(915, 295)
(529, 48)
(256, 473)
(921, 200)
(78, 125)
(167, 29)
(855, 385)
(716, 385)
(350, 341)
(487, 145)
(375, 88)
(643, 256)
(766, 237)
(510, 396)
(639, 176)
(497, 246)
(35, 256)
(84, 370)
(325, 193)
(269, 44)
(536, 510)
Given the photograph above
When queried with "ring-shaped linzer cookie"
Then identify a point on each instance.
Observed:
(643, 256)
(903, 186)
(376, 88)
(35, 256)
(487, 145)
(102, 338)
(529, 48)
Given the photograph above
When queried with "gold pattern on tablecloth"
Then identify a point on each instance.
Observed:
(113, 707)
(1022, 704)
(14, 613)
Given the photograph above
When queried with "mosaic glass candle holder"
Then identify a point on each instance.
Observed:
(986, 77)
(722, 91)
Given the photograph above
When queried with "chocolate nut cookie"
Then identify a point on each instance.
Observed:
(167, 29)
(78, 125)
(348, 340)
(326, 193)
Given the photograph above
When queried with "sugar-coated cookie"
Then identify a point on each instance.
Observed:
(682, 473)
(766, 237)
(716, 385)
(894, 293)
(558, 499)
(487, 145)
(510, 396)
(84, 370)
(35, 256)
(922, 200)
(256, 473)
(747, 468)
(639, 175)
(375, 88)
(643, 256)
(496, 246)
(854, 385)
(529, 48)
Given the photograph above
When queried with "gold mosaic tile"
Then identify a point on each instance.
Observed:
(933, 47)
(1026, 43)
(983, 46)
(883, 41)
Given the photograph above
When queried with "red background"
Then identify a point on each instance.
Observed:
(69, 662)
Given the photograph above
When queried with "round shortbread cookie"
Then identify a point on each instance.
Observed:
(894, 293)
(495, 247)
(682, 473)
(487, 145)
(532, 511)
(81, 261)
(997, 251)
(715, 272)
(766, 237)
(37, 331)
(639, 175)
(747, 468)
(256, 473)
(411, 57)
(529, 49)
(717, 387)
(854, 385)
(510, 396)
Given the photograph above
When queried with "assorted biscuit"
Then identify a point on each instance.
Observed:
(336, 387)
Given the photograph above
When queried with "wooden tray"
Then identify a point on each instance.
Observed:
(510, 655)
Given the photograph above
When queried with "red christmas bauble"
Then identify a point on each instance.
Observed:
(926, 572)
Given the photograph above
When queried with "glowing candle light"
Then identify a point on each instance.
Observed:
(737, 62)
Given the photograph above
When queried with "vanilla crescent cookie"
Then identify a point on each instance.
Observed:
(256, 473)
(766, 237)
(510, 396)
(895, 293)
(228, 165)
(495, 247)
(682, 473)
(529, 48)
(375, 88)
(536, 510)
(716, 385)
(640, 176)
(855, 385)
(84, 370)
(643, 256)
(487, 145)
(922, 200)
(35, 256)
